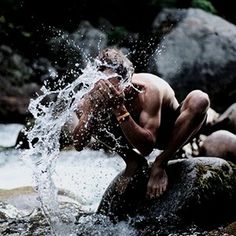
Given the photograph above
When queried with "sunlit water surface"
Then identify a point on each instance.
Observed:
(81, 177)
(44, 173)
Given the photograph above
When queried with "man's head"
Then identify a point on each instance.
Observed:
(112, 58)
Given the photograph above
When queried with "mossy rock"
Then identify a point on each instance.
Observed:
(200, 191)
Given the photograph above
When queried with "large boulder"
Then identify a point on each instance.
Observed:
(226, 121)
(201, 191)
(20, 80)
(72, 50)
(221, 143)
(197, 52)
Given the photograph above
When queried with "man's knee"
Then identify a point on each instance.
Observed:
(197, 102)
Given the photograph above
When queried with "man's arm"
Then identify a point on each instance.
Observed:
(142, 136)
(86, 113)
(83, 132)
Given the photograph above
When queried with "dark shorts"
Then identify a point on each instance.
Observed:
(167, 126)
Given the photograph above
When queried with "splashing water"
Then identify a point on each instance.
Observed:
(43, 153)
(44, 141)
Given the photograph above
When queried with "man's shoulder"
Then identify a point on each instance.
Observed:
(145, 76)
(154, 87)
(150, 81)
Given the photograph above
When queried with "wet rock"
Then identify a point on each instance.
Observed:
(226, 121)
(201, 190)
(16, 222)
(8, 211)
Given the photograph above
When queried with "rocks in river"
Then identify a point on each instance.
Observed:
(8, 211)
(201, 190)
(221, 143)
(20, 212)
(20, 79)
(226, 121)
(198, 51)
(221, 136)
(228, 230)
(34, 223)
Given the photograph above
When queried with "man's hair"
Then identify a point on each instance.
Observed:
(114, 58)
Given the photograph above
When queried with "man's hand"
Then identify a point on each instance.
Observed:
(108, 94)
(158, 181)
(95, 99)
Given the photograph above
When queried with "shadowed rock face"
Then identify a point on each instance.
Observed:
(226, 121)
(201, 190)
(198, 53)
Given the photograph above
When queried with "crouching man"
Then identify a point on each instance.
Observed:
(141, 116)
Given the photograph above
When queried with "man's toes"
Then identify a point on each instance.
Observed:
(157, 194)
(161, 190)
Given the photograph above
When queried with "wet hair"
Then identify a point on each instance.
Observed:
(113, 58)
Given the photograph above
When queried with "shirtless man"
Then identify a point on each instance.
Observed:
(142, 116)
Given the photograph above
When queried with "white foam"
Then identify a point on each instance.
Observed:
(83, 175)
(8, 134)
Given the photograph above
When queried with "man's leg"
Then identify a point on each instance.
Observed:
(192, 116)
(134, 164)
(132, 159)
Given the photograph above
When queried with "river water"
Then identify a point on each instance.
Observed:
(83, 175)
(81, 178)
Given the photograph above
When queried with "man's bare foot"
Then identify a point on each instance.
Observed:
(157, 183)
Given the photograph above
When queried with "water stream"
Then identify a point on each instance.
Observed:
(44, 143)
(44, 136)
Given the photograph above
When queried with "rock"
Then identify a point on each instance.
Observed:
(21, 213)
(221, 143)
(20, 80)
(226, 121)
(75, 49)
(118, 204)
(8, 211)
(227, 230)
(197, 52)
(201, 190)
(35, 223)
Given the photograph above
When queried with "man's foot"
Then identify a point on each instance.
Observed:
(157, 183)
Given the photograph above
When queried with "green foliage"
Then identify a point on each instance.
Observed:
(204, 5)
(163, 3)
(117, 34)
